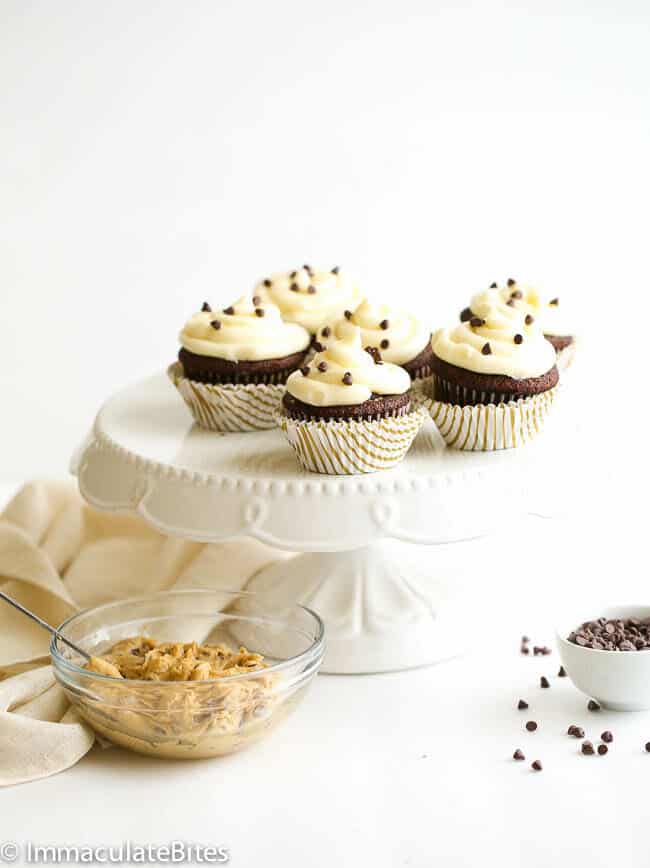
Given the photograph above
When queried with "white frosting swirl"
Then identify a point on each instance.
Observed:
(310, 297)
(550, 315)
(399, 336)
(245, 332)
(466, 345)
(324, 385)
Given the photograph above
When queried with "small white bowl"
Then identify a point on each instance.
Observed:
(619, 680)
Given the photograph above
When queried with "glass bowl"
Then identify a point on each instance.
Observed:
(191, 719)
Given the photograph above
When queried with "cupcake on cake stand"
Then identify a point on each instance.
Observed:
(366, 544)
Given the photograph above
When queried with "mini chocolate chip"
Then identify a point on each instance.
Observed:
(376, 355)
(293, 274)
(305, 371)
(336, 269)
(647, 746)
(206, 308)
(229, 310)
(257, 301)
(322, 367)
(562, 672)
(294, 287)
(326, 332)
(384, 344)
(318, 347)
(465, 314)
(311, 289)
(525, 649)
(267, 282)
(476, 322)
(522, 704)
(607, 737)
(529, 319)
(216, 324)
(531, 726)
(494, 285)
(536, 766)
(347, 314)
(517, 294)
(511, 281)
(571, 730)
(554, 301)
(347, 378)
(487, 350)
(592, 705)
(576, 731)
(602, 749)
(511, 302)
(587, 748)
(259, 311)
(519, 339)
(518, 755)
(307, 268)
(543, 682)
(384, 324)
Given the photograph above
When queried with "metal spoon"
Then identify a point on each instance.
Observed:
(44, 624)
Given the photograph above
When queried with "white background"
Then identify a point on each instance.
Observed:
(153, 155)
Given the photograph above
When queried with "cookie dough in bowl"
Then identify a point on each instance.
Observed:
(186, 674)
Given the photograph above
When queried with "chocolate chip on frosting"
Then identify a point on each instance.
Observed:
(293, 275)
(311, 289)
(511, 281)
(384, 344)
(229, 310)
(519, 339)
(518, 755)
(530, 319)
(216, 324)
(517, 294)
(257, 301)
(384, 324)
(347, 378)
(544, 682)
(294, 287)
(347, 314)
(206, 308)
(562, 672)
(531, 726)
(522, 705)
(476, 322)
(494, 285)
(511, 302)
(318, 347)
(259, 311)
(322, 367)
(554, 301)
(305, 371)
(326, 332)
(267, 282)
(487, 350)
(536, 766)
(376, 355)
(336, 269)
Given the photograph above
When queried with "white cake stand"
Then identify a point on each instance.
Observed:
(366, 569)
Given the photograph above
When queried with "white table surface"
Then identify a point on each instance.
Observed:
(409, 768)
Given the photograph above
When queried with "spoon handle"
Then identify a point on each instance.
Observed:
(43, 623)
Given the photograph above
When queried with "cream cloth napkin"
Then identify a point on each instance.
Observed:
(58, 555)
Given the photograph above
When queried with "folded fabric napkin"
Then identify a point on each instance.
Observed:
(58, 555)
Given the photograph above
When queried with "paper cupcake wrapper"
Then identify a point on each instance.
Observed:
(226, 407)
(352, 447)
(488, 427)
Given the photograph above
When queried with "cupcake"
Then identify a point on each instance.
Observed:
(494, 376)
(547, 314)
(348, 411)
(233, 364)
(310, 297)
(400, 337)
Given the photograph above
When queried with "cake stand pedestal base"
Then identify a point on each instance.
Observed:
(384, 606)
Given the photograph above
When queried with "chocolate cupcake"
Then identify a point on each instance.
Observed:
(311, 297)
(400, 337)
(547, 315)
(234, 362)
(348, 411)
(494, 376)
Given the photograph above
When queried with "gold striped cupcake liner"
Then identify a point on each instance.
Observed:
(488, 427)
(347, 447)
(227, 407)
